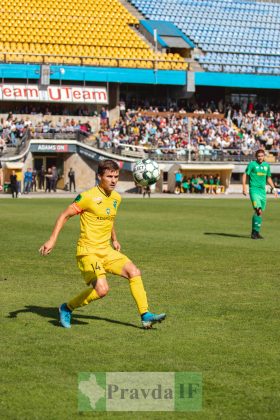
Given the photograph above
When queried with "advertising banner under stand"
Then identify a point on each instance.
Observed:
(53, 148)
(54, 94)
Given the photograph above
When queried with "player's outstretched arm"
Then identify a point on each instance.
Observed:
(271, 184)
(115, 242)
(48, 246)
(244, 187)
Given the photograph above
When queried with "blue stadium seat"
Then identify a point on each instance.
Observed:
(243, 36)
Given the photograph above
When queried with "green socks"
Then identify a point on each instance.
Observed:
(256, 223)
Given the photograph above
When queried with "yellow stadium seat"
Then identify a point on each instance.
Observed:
(92, 29)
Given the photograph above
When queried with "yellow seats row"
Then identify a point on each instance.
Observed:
(80, 51)
(88, 51)
(96, 29)
(67, 41)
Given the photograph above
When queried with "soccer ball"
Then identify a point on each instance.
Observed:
(146, 172)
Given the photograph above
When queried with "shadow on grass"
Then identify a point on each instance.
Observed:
(53, 314)
(230, 235)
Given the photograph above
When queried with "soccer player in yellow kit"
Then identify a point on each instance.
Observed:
(97, 208)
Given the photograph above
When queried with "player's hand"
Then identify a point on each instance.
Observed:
(116, 245)
(244, 192)
(275, 193)
(46, 248)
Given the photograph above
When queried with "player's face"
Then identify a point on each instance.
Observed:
(260, 157)
(108, 180)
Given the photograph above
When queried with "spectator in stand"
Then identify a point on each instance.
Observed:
(59, 126)
(103, 118)
(14, 184)
(10, 116)
(122, 109)
(2, 145)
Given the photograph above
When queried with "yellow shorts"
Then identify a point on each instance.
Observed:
(103, 261)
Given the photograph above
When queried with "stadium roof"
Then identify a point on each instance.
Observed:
(168, 35)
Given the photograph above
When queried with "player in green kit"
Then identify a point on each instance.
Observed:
(258, 172)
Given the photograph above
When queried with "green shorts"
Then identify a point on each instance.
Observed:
(258, 199)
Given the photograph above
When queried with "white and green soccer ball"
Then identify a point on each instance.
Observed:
(146, 172)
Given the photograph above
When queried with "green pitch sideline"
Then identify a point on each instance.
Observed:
(258, 173)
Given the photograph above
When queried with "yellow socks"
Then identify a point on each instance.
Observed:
(139, 294)
(137, 291)
(84, 298)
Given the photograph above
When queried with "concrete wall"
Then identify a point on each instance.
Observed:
(85, 171)
(85, 174)
(114, 100)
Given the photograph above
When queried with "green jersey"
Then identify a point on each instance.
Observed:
(258, 173)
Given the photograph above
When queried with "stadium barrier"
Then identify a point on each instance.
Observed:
(147, 63)
(190, 154)
(254, 69)
(154, 114)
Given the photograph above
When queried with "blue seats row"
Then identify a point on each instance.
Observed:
(218, 27)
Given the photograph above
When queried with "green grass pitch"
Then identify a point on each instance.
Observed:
(219, 288)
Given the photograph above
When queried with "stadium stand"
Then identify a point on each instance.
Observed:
(162, 135)
(166, 136)
(233, 36)
(88, 32)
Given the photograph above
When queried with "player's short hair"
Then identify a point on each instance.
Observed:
(259, 151)
(107, 164)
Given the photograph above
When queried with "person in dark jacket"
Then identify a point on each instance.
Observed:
(71, 176)
(14, 184)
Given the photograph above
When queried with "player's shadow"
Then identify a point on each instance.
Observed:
(77, 318)
(230, 235)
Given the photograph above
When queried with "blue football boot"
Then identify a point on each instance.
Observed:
(148, 319)
(65, 316)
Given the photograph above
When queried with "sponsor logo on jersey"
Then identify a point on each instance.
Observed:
(115, 204)
(108, 211)
(98, 200)
(106, 218)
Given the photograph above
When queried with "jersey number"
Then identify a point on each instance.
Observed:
(97, 267)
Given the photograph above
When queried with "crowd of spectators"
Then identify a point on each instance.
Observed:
(212, 129)
(202, 136)
(68, 126)
(14, 130)
(52, 109)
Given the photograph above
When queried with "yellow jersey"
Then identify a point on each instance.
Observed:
(97, 214)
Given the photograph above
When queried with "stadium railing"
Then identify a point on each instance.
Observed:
(189, 154)
(148, 63)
